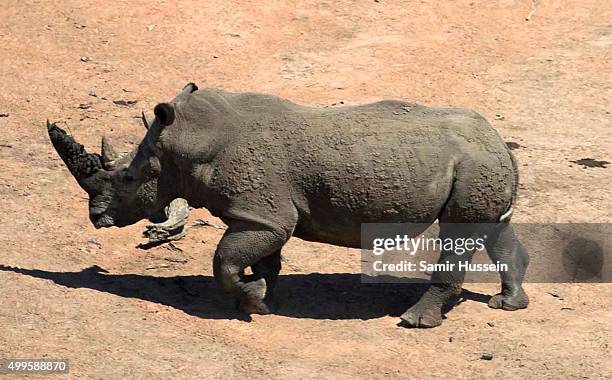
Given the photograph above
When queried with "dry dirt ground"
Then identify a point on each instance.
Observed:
(70, 291)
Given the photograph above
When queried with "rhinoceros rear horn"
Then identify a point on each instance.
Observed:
(81, 164)
(145, 121)
(108, 154)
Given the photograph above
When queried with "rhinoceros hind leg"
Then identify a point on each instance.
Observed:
(425, 313)
(445, 285)
(503, 247)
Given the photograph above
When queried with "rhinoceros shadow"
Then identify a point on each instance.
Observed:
(317, 296)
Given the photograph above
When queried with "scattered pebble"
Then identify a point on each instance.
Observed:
(173, 247)
(85, 106)
(202, 222)
(499, 116)
(491, 324)
(123, 102)
(554, 293)
(513, 145)
(591, 163)
(486, 356)
(151, 27)
(4, 115)
(175, 260)
(86, 59)
(94, 242)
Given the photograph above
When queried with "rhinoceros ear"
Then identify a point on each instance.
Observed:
(164, 113)
(190, 87)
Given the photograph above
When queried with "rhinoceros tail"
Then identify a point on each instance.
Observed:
(508, 214)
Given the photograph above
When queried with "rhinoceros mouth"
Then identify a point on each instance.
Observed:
(102, 221)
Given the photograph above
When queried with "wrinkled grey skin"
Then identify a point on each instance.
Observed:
(272, 169)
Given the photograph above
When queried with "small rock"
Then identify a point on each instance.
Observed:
(215, 56)
(86, 59)
(491, 324)
(591, 163)
(554, 293)
(123, 102)
(486, 356)
(450, 339)
(499, 116)
(175, 260)
(151, 27)
(94, 242)
(85, 106)
(4, 115)
(513, 145)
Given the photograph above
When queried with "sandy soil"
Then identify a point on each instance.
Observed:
(116, 311)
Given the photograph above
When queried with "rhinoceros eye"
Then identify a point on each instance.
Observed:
(126, 175)
(154, 165)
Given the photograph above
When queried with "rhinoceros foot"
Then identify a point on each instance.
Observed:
(421, 315)
(513, 301)
(254, 300)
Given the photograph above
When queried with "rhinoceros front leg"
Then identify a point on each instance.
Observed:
(268, 268)
(445, 285)
(249, 244)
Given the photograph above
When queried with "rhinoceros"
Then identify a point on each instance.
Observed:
(272, 169)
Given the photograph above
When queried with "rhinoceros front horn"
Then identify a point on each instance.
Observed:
(83, 166)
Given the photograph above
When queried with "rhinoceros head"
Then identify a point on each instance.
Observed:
(122, 188)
